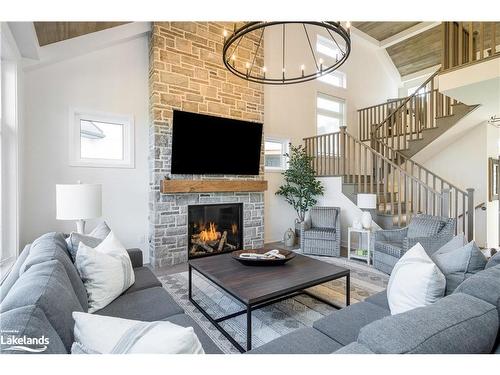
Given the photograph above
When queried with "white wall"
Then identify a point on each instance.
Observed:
(113, 80)
(290, 111)
(464, 163)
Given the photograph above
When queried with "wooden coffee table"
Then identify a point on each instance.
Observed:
(257, 287)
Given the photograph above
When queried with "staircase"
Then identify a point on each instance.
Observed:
(379, 162)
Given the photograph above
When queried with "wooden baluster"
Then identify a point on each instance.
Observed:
(431, 105)
(358, 170)
(451, 50)
(471, 42)
(481, 40)
(365, 168)
(399, 198)
(493, 38)
(460, 43)
(444, 50)
(387, 194)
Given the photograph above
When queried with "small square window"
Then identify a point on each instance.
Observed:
(336, 78)
(101, 140)
(274, 150)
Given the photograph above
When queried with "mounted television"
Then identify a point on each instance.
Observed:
(203, 144)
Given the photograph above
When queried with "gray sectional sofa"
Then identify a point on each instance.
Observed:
(44, 288)
(465, 321)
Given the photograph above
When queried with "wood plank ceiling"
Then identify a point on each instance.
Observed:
(410, 55)
(53, 32)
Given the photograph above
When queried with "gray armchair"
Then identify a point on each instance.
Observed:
(390, 245)
(320, 232)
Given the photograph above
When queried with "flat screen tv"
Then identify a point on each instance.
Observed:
(203, 144)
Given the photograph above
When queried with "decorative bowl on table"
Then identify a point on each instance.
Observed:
(284, 256)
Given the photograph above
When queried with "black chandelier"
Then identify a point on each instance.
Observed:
(243, 50)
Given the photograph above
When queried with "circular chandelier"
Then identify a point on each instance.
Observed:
(242, 52)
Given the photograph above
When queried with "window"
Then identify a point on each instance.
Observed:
(9, 140)
(330, 52)
(274, 150)
(330, 112)
(411, 90)
(327, 47)
(101, 140)
(335, 78)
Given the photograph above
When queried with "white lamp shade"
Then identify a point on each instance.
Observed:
(78, 201)
(367, 201)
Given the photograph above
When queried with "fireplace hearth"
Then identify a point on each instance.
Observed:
(214, 229)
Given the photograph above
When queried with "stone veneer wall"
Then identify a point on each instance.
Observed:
(187, 73)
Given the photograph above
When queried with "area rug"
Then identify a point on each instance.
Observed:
(278, 319)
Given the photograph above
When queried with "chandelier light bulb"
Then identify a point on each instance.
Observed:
(264, 69)
(224, 33)
(302, 68)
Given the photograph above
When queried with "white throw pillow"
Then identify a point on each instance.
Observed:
(415, 281)
(108, 335)
(106, 271)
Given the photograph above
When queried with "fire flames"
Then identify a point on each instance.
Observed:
(210, 234)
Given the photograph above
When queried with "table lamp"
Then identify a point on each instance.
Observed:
(368, 202)
(78, 202)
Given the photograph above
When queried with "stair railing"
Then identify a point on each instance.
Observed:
(417, 113)
(466, 43)
(456, 197)
(400, 193)
(370, 117)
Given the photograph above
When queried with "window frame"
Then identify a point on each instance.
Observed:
(325, 112)
(284, 148)
(75, 159)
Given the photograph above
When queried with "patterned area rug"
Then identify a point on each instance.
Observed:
(278, 319)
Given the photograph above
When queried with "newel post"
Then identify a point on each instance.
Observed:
(445, 203)
(470, 214)
(342, 148)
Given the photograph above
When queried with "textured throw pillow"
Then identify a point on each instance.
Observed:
(424, 226)
(457, 262)
(106, 271)
(493, 261)
(92, 239)
(464, 259)
(457, 241)
(123, 336)
(415, 281)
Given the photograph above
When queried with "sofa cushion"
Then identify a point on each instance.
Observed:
(484, 285)
(47, 286)
(320, 234)
(456, 324)
(29, 321)
(379, 299)
(354, 348)
(184, 320)
(344, 325)
(302, 341)
(144, 278)
(456, 242)
(52, 246)
(146, 305)
(425, 226)
(14, 273)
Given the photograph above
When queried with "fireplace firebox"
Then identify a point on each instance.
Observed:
(214, 229)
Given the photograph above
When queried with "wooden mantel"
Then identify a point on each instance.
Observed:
(212, 186)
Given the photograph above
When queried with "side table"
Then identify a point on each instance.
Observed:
(353, 253)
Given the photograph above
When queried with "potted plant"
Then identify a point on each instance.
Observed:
(301, 187)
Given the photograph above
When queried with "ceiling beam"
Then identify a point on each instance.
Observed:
(408, 33)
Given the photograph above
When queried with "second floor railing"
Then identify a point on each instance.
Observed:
(469, 42)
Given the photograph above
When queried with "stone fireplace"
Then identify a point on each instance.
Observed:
(187, 73)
